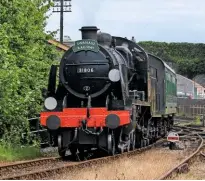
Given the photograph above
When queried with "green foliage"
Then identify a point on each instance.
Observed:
(10, 153)
(197, 120)
(25, 59)
(188, 57)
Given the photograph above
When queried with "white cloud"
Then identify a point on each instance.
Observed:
(157, 20)
(144, 11)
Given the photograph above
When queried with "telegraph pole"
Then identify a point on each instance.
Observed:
(61, 6)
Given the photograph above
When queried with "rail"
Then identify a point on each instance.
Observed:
(45, 173)
(184, 164)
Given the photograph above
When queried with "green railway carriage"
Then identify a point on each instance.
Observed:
(170, 91)
(163, 91)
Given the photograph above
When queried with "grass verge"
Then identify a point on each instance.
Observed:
(10, 153)
(197, 120)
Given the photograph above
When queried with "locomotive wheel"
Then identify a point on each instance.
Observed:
(141, 143)
(128, 147)
(73, 150)
(130, 144)
(151, 140)
(145, 143)
(61, 150)
(111, 144)
(133, 140)
(138, 140)
(62, 153)
(121, 150)
(81, 154)
(148, 142)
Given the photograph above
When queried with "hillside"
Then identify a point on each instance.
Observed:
(188, 59)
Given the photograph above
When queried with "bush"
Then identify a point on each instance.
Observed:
(25, 59)
(10, 152)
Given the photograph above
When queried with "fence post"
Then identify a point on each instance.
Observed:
(203, 120)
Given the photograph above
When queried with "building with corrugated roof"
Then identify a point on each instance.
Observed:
(67, 41)
(187, 87)
(59, 45)
(200, 79)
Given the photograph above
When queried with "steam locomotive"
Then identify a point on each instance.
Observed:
(110, 95)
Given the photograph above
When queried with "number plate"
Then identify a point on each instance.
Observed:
(85, 70)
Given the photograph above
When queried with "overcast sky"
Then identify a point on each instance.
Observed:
(155, 20)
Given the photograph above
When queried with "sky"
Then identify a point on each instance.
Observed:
(146, 20)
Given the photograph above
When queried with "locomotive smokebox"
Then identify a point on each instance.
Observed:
(89, 32)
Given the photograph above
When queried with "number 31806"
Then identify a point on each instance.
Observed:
(85, 70)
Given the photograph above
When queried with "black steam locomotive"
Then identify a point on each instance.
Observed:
(111, 95)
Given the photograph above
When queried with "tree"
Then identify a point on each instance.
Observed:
(188, 57)
(191, 68)
(25, 59)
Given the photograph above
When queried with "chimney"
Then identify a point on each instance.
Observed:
(89, 32)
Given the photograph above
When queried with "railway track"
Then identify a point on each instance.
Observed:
(184, 164)
(48, 167)
(203, 154)
(26, 166)
(52, 166)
